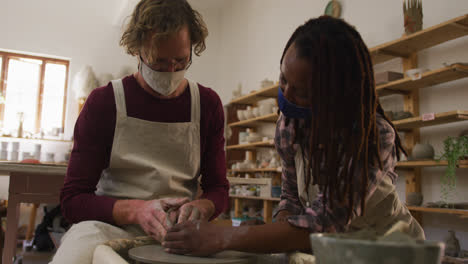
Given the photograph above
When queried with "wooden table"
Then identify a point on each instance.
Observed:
(29, 183)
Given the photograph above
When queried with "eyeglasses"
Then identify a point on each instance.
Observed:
(178, 64)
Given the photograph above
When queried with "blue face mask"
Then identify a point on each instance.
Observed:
(291, 110)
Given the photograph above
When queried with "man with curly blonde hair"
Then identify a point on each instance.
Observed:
(142, 143)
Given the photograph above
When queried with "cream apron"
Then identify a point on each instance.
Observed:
(149, 160)
(383, 207)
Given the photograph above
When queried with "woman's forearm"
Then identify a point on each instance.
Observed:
(268, 238)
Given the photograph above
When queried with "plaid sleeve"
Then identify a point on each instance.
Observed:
(284, 137)
(318, 218)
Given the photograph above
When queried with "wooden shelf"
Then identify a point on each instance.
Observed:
(267, 144)
(257, 181)
(441, 118)
(459, 212)
(406, 85)
(255, 198)
(271, 118)
(429, 37)
(38, 139)
(256, 170)
(268, 92)
(428, 163)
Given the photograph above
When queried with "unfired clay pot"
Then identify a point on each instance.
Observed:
(422, 151)
(414, 199)
(452, 245)
(401, 115)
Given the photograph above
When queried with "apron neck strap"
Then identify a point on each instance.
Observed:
(121, 107)
(119, 95)
(195, 104)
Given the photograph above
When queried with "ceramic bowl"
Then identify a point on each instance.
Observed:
(240, 115)
(275, 109)
(415, 74)
(248, 114)
(265, 110)
(414, 199)
(256, 111)
(242, 137)
(401, 115)
(330, 249)
(422, 151)
(253, 138)
(267, 83)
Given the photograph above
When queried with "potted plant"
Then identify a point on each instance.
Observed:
(455, 149)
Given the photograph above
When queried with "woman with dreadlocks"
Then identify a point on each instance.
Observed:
(338, 151)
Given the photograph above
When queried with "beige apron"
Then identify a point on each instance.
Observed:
(149, 160)
(383, 207)
(153, 160)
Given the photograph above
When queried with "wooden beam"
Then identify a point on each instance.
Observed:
(267, 211)
(411, 104)
(237, 207)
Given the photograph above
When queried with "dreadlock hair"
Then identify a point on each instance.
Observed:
(344, 103)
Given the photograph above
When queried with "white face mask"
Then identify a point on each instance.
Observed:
(164, 83)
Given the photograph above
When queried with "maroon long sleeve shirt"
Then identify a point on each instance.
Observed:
(94, 135)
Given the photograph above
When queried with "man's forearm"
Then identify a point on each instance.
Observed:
(124, 211)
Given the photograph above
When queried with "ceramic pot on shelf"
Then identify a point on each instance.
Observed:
(248, 113)
(240, 115)
(452, 245)
(422, 152)
(414, 199)
(256, 111)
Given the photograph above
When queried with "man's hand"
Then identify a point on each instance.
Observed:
(201, 209)
(153, 219)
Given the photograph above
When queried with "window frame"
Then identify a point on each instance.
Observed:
(6, 56)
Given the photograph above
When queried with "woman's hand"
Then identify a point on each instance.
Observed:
(196, 238)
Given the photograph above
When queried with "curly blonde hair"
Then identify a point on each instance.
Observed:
(155, 20)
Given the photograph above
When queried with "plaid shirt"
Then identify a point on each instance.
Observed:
(314, 217)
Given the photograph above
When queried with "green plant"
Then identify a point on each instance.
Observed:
(455, 149)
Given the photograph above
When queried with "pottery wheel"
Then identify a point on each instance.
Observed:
(155, 254)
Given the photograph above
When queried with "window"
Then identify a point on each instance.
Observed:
(33, 89)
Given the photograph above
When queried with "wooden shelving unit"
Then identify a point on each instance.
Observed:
(255, 198)
(255, 170)
(406, 85)
(271, 118)
(428, 163)
(37, 139)
(405, 46)
(239, 180)
(236, 151)
(440, 119)
(458, 212)
(250, 146)
(252, 98)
